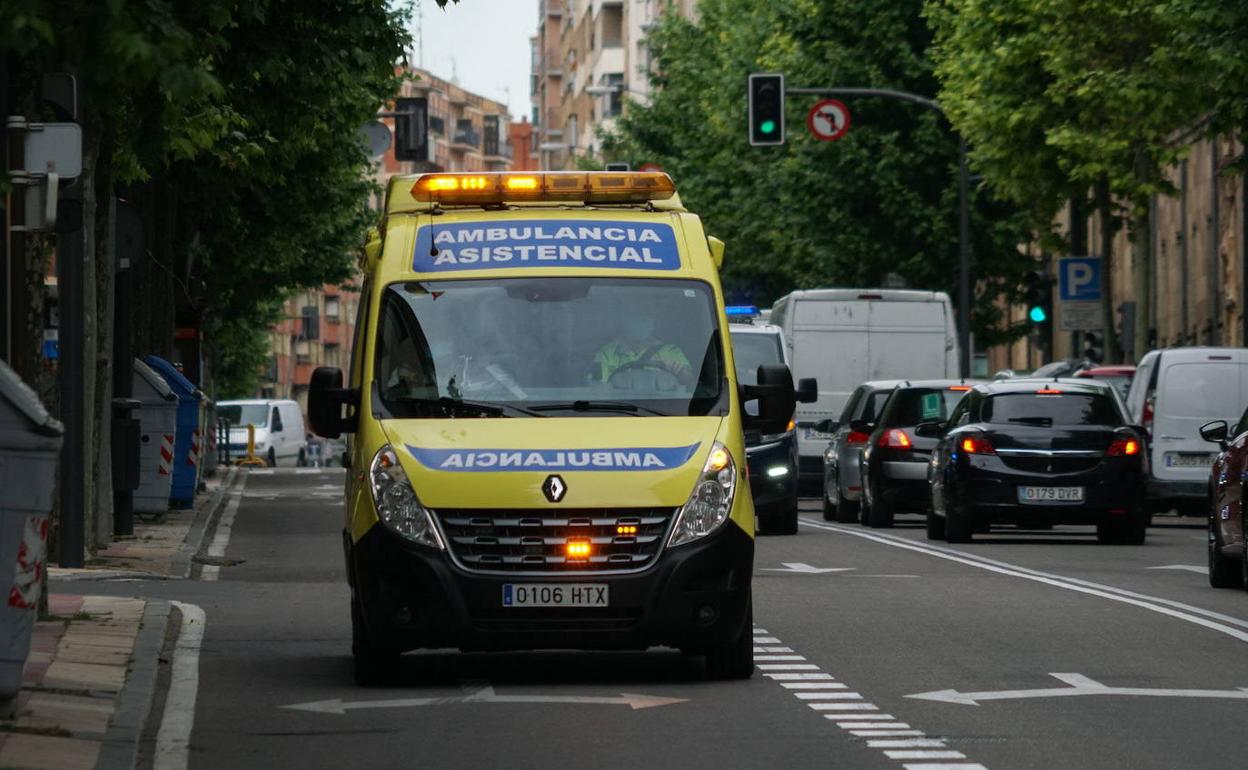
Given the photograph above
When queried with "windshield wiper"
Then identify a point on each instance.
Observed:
(1043, 422)
(460, 406)
(599, 406)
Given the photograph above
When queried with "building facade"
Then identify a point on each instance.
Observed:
(316, 330)
(1195, 252)
(590, 58)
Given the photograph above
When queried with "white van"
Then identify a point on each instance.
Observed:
(281, 438)
(1174, 392)
(845, 337)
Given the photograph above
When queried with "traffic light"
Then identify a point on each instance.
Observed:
(411, 128)
(1038, 287)
(766, 108)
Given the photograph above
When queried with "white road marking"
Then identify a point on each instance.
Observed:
(1079, 685)
(861, 719)
(1178, 610)
(1186, 567)
(766, 640)
(221, 540)
(944, 766)
(173, 739)
(761, 632)
(484, 694)
(800, 567)
(779, 657)
(261, 472)
(788, 666)
(773, 649)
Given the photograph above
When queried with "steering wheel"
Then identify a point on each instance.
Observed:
(664, 379)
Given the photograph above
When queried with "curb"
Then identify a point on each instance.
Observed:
(180, 565)
(120, 749)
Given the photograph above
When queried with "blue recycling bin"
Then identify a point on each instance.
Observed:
(188, 444)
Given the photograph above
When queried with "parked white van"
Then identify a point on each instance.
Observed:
(1174, 392)
(845, 337)
(281, 438)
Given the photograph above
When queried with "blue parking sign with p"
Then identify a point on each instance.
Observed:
(1079, 279)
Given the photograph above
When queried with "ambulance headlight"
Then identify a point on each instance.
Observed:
(396, 502)
(708, 506)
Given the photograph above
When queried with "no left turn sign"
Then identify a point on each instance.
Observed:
(828, 120)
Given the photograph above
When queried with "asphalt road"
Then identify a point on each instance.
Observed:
(1016, 633)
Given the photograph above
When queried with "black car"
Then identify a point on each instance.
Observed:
(1038, 452)
(894, 457)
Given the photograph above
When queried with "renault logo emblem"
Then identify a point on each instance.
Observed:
(554, 488)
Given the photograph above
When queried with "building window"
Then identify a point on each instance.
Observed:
(333, 310)
(612, 26)
(490, 124)
(333, 356)
(572, 132)
(615, 99)
(311, 329)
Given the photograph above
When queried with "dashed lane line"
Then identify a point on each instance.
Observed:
(851, 712)
(1214, 621)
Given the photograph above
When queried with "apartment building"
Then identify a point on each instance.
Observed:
(1196, 252)
(467, 131)
(316, 330)
(589, 59)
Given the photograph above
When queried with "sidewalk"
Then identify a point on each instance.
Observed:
(75, 683)
(91, 676)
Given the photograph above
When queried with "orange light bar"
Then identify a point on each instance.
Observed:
(577, 549)
(583, 186)
(626, 529)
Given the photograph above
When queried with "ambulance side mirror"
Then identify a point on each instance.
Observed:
(776, 399)
(717, 250)
(326, 397)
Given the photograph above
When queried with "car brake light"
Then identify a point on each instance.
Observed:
(959, 387)
(857, 437)
(1123, 447)
(1048, 392)
(894, 438)
(977, 445)
(1146, 416)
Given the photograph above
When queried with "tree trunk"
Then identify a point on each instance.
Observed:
(1104, 208)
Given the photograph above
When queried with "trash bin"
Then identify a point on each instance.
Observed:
(189, 443)
(158, 428)
(209, 428)
(125, 455)
(30, 445)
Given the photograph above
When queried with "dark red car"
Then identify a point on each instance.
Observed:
(1118, 376)
(1227, 566)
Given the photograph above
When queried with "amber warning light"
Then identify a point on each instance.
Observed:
(577, 549)
(576, 186)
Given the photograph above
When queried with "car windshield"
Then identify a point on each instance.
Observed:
(911, 406)
(244, 414)
(750, 350)
(549, 346)
(1054, 408)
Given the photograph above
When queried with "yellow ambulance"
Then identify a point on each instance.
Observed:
(547, 435)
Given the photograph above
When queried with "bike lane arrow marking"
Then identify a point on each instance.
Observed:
(635, 701)
(1079, 685)
(807, 569)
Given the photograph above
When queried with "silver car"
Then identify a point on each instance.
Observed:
(842, 470)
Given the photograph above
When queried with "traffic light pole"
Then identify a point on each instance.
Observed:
(964, 215)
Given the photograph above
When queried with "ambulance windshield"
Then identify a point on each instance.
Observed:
(550, 347)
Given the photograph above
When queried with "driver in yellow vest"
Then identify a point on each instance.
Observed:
(637, 347)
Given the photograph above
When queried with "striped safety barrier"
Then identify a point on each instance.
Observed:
(166, 454)
(192, 456)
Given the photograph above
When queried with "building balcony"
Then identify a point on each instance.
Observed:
(466, 141)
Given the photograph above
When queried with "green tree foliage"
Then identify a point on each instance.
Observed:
(882, 199)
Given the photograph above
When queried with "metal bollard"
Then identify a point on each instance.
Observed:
(125, 457)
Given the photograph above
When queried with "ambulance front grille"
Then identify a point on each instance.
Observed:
(489, 540)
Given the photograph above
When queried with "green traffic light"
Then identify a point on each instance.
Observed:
(767, 127)
(1037, 314)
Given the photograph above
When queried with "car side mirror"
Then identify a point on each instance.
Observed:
(807, 390)
(776, 399)
(1215, 432)
(861, 426)
(326, 397)
(930, 429)
(827, 426)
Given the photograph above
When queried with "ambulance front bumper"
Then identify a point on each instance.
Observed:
(691, 597)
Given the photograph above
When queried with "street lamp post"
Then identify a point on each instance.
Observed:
(964, 245)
